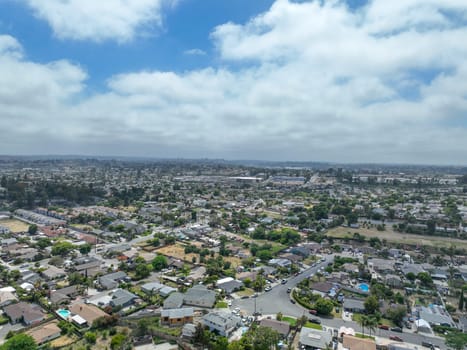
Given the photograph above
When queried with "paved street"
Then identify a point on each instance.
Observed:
(278, 300)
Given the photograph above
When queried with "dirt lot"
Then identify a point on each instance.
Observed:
(177, 251)
(234, 261)
(14, 225)
(64, 340)
(397, 237)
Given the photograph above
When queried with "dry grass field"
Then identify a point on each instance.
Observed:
(15, 225)
(234, 261)
(177, 251)
(397, 237)
(62, 341)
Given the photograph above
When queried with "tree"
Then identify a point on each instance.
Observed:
(411, 276)
(159, 263)
(85, 248)
(461, 301)
(397, 314)
(371, 323)
(142, 271)
(20, 341)
(43, 243)
(118, 341)
(62, 248)
(32, 229)
(264, 338)
(90, 337)
(324, 306)
(371, 304)
(425, 279)
(363, 321)
(456, 340)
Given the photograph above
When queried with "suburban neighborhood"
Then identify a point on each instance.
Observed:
(112, 254)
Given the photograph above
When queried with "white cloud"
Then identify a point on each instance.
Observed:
(195, 52)
(98, 20)
(316, 83)
(9, 46)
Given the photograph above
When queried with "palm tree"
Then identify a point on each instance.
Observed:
(372, 322)
(363, 321)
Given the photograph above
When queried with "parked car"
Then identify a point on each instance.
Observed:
(284, 281)
(292, 301)
(289, 290)
(313, 312)
(428, 345)
(315, 320)
(267, 289)
(383, 326)
(396, 329)
(395, 337)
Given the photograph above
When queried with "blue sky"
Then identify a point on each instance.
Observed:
(329, 80)
(186, 27)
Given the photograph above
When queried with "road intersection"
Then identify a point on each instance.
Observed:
(278, 300)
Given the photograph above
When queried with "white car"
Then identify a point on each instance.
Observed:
(229, 303)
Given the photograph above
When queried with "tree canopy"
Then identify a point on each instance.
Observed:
(19, 342)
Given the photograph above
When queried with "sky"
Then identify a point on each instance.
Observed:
(351, 81)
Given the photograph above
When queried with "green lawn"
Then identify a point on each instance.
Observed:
(221, 305)
(249, 292)
(314, 326)
(360, 335)
(292, 321)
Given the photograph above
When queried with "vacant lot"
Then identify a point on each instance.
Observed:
(397, 237)
(177, 251)
(14, 225)
(64, 340)
(236, 262)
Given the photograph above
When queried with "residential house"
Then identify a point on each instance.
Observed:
(353, 343)
(87, 266)
(24, 312)
(247, 275)
(354, 305)
(177, 317)
(64, 295)
(230, 286)
(436, 315)
(381, 266)
(280, 262)
(188, 331)
(53, 272)
(122, 298)
(7, 297)
(411, 268)
(294, 258)
(224, 322)
(200, 295)
(281, 327)
(393, 281)
(161, 289)
(88, 312)
(45, 332)
(112, 280)
(323, 288)
(314, 339)
(174, 301)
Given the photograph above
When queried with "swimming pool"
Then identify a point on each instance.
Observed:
(63, 313)
(364, 287)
